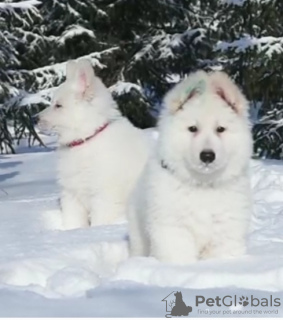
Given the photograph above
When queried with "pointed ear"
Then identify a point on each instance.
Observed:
(227, 90)
(85, 76)
(71, 69)
(184, 91)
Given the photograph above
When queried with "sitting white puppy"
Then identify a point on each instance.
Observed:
(194, 200)
(101, 154)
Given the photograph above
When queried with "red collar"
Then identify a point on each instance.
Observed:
(79, 142)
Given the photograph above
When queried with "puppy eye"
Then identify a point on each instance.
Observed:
(58, 105)
(193, 129)
(220, 129)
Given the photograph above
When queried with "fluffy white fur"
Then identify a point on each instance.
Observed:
(96, 177)
(185, 209)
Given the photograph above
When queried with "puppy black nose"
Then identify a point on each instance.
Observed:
(207, 156)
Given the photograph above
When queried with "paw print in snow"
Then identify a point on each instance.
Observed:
(244, 301)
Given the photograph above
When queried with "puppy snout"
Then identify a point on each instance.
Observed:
(207, 156)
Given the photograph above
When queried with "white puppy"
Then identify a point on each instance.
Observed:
(101, 154)
(194, 201)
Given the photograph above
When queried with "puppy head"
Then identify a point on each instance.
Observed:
(79, 99)
(206, 130)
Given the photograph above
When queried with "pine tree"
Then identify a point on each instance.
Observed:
(13, 15)
(139, 48)
(250, 47)
(160, 42)
(78, 30)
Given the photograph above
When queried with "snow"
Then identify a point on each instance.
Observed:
(45, 80)
(22, 98)
(269, 45)
(45, 271)
(235, 2)
(42, 96)
(25, 5)
(45, 75)
(122, 87)
(167, 42)
(29, 7)
(242, 2)
(173, 78)
(75, 31)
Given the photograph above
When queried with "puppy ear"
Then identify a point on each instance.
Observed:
(85, 76)
(227, 90)
(184, 91)
(71, 69)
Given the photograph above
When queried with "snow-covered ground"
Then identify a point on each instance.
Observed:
(45, 271)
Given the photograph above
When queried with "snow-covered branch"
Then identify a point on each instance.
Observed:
(269, 45)
(121, 87)
(23, 5)
(242, 2)
(166, 43)
(46, 75)
(74, 31)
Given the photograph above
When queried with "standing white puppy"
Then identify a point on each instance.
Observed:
(101, 154)
(194, 201)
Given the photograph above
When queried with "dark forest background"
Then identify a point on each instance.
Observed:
(140, 48)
